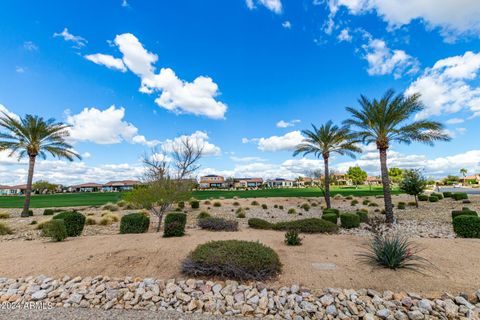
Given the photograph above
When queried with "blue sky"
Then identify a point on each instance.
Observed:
(242, 76)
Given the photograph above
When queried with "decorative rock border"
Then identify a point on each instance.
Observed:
(231, 298)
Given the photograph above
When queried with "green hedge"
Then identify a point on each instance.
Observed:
(401, 205)
(422, 197)
(74, 222)
(363, 215)
(467, 226)
(55, 229)
(459, 196)
(332, 217)
(349, 220)
(48, 212)
(433, 199)
(256, 223)
(463, 212)
(195, 204)
(309, 225)
(232, 259)
(332, 210)
(218, 224)
(438, 195)
(447, 194)
(175, 224)
(134, 223)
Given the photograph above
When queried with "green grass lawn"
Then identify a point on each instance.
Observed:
(92, 199)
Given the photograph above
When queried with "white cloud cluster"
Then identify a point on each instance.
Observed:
(382, 60)
(345, 35)
(67, 36)
(272, 5)
(453, 18)
(286, 124)
(448, 86)
(287, 24)
(198, 138)
(177, 95)
(30, 46)
(104, 127)
(4, 109)
(287, 142)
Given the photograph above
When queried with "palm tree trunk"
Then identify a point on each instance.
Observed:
(327, 183)
(28, 190)
(387, 196)
(416, 201)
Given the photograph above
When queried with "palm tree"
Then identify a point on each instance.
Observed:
(324, 141)
(33, 136)
(463, 172)
(383, 122)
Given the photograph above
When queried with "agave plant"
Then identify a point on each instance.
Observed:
(393, 251)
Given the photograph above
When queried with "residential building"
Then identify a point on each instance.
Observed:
(247, 182)
(373, 180)
(212, 181)
(86, 187)
(13, 190)
(280, 183)
(123, 185)
(341, 179)
(473, 179)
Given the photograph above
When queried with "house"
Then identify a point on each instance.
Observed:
(211, 181)
(303, 182)
(473, 179)
(123, 185)
(280, 183)
(13, 190)
(341, 179)
(247, 182)
(373, 180)
(86, 187)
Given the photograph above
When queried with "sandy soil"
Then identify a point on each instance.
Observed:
(150, 255)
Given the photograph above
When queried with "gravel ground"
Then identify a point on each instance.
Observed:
(98, 314)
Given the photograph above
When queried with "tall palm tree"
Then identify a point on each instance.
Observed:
(463, 172)
(385, 121)
(33, 136)
(324, 141)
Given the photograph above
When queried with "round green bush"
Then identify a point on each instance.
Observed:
(195, 204)
(433, 199)
(332, 217)
(422, 197)
(232, 259)
(256, 223)
(55, 229)
(363, 215)
(310, 225)
(292, 238)
(181, 204)
(349, 220)
(401, 205)
(332, 210)
(459, 196)
(48, 212)
(264, 206)
(5, 229)
(447, 194)
(354, 202)
(217, 204)
(134, 223)
(305, 206)
(292, 211)
(463, 212)
(175, 225)
(365, 202)
(218, 224)
(203, 215)
(74, 222)
(438, 195)
(467, 226)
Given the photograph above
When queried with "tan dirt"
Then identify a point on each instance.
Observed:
(456, 261)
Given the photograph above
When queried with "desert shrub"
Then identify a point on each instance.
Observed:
(30, 213)
(4, 215)
(438, 195)
(332, 217)
(310, 225)
(34, 222)
(392, 251)
(181, 204)
(203, 215)
(232, 259)
(217, 204)
(105, 221)
(112, 216)
(401, 205)
(467, 226)
(314, 204)
(433, 199)
(195, 204)
(412, 204)
(349, 220)
(175, 225)
(236, 203)
(463, 212)
(218, 224)
(349, 197)
(331, 210)
(55, 229)
(74, 222)
(292, 211)
(207, 203)
(365, 202)
(130, 206)
(466, 201)
(48, 212)
(305, 206)
(362, 215)
(264, 206)
(447, 194)
(422, 197)
(256, 223)
(338, 197)
(459, 196)
(41, 225)
(275, 206)
(90, 221)
(134, 223)
(373, 204)
(122, 203)
(354, 202)
(5, 229)
(240, 213)
(254, 203)
(292, 238)
(280, 207)
(110, 207)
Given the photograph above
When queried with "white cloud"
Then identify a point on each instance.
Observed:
(30, 46)
(199, 138)
(19, 69)
(104, 127)
(176, 95)
(287, 24)
(4, 109)
(67, 36)
(448, 86)
(287, 142)
(344, 36)
(246, 159)
(453, 18)
(455, 121)
(382, 60)
(272, 5)
(125, 3)
(107, 60)
(86, 155)
(286, 124)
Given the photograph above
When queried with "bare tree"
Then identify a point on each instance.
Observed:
(167, 177)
